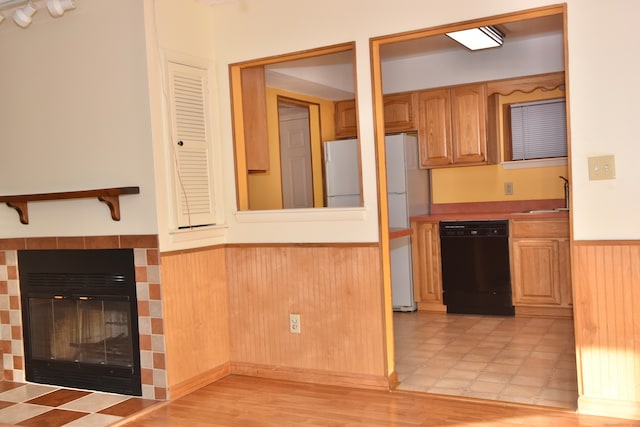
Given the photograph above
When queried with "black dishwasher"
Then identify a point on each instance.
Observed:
(476, 276)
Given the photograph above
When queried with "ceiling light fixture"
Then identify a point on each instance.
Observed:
(24, 16)
(59, 7)
(478, 38)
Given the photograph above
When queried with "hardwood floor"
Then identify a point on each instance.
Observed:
(247, 401)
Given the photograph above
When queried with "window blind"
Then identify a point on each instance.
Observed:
(538, 130)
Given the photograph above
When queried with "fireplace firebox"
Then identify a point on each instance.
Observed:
(80, 319)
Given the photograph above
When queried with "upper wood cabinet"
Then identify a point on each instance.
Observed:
(469, 124)
(434, 128)
(399, 115)
(346, 119)
(452, 126)
(254, 110)
(399, 112)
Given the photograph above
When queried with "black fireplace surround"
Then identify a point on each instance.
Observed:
(80, 318)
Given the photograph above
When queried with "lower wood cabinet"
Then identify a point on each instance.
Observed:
(540, 267)
(427, 270)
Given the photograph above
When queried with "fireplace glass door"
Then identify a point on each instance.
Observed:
(92, 330)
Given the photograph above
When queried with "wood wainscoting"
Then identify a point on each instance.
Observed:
(607, 326)
(336, 290)
(196, 307)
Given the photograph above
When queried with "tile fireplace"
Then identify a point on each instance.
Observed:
(91, 323)
(80, 318)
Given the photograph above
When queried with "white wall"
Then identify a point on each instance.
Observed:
(74, 115)
(602, 69)
(604, 115)
(181, 31)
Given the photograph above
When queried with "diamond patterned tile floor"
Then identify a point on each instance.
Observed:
(512, 359)
(49, 406)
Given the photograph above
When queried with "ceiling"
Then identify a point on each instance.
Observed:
(512, 31)
(301, 76)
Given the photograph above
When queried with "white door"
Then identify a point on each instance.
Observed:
(295, 157)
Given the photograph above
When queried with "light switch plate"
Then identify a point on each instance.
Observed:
(602, 167)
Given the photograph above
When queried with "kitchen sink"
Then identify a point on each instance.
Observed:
(540, 211)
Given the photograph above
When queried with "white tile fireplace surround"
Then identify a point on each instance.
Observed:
(149, 296)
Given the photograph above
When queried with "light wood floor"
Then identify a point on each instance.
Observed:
(246, 401)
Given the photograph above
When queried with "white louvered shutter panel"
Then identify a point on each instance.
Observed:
(190, 138)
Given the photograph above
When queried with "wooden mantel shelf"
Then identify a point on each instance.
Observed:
(111, 196)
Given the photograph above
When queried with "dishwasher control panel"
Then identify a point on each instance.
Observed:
(488, 228)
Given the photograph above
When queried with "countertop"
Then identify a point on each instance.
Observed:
(395, 233)
(525, 209)
(465, 216)
(521, 209)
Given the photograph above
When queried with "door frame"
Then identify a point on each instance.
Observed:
(375, 45)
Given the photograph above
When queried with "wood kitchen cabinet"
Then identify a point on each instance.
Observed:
(452, 126)
(399, 112)
(399, 115)
(427, 271)
(346, 119)
(254, 110)
(540, 267)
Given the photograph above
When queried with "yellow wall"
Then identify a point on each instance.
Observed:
(265, 188)
(486, 183)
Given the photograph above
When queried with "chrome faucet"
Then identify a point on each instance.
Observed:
(566, 192)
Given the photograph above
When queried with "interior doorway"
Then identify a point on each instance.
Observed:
(525, 360)
(295, 154)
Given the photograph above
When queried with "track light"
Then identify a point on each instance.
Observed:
(59, 7)
(23, 16)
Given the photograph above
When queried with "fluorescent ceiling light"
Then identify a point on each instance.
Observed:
(478, 38)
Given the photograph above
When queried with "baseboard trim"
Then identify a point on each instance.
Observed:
(551, 312)
(432, 307)
(624, 409)
(372, 382)
(183, 388)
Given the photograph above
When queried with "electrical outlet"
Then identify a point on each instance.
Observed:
(294, 323)
(602, 167)
(508, 188)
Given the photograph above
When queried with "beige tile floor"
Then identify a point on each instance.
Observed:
(512, 359)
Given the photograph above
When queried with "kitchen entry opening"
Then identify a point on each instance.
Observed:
(80, 319)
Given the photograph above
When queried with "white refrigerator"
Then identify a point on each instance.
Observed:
(408, 195)
(342, 173)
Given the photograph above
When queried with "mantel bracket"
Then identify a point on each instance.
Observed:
(114, 205)
(110, 196)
